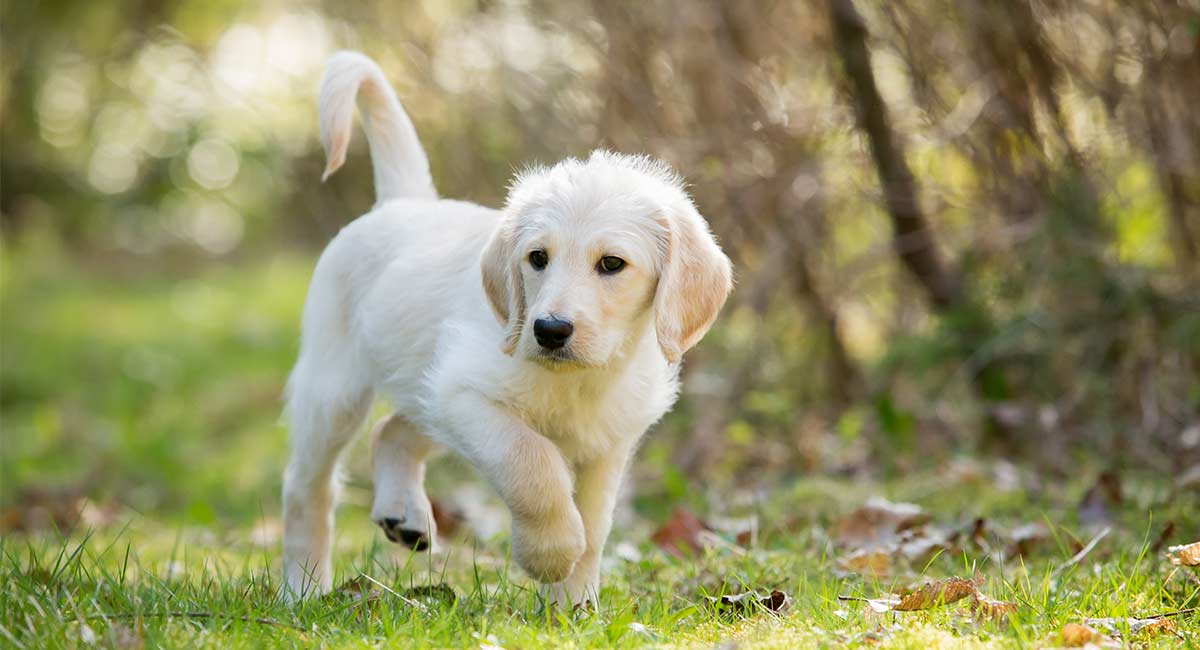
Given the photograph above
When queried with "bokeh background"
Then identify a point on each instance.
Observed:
(962, 229)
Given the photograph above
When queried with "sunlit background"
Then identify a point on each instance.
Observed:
(160, 213)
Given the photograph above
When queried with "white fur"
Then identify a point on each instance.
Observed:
(430, 303)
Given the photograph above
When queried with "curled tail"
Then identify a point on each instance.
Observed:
(401, 167)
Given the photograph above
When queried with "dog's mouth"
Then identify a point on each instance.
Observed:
(559, 359)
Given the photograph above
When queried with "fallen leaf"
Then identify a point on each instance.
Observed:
(878, 523)
(682, 535)
(746, 602)
(933, 594)
(1074, 635)
(987, 608)
(936, 594)
(871, 563)
(1185, 555)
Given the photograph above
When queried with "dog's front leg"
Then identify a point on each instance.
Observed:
(597, 486)
(531, 476)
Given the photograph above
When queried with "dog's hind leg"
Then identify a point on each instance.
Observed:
(401, 506)
(324, 417)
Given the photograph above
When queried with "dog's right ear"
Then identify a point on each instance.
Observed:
(502, 283)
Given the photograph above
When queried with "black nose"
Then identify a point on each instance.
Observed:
(552, 333)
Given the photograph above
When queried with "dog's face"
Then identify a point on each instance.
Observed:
(590, 251)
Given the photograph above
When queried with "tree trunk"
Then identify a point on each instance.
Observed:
(912, 237)
(913, 240)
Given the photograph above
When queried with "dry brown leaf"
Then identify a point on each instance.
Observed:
(986, 608)
(1074, 635)
(933, 594)
(871, 563)
(878, 523)
(683, 534)
(1185, 555)
(936, 594)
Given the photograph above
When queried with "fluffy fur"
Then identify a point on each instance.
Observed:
(429, 304)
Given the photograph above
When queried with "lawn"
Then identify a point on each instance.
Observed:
(140, 480)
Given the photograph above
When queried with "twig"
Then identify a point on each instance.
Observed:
(1181, 612)
(407, 601)
(1083, 552)
(201, 615)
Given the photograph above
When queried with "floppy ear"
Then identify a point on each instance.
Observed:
(693, 284)
(503, 285)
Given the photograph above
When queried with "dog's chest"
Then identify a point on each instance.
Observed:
(586, 424)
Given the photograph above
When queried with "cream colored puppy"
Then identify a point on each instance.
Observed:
(539, 341)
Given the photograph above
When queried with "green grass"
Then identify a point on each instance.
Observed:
(198, 587)
(160, 393)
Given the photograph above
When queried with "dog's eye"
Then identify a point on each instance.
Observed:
(538, 259)
(609, 264)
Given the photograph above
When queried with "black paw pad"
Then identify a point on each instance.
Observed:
(414, 539)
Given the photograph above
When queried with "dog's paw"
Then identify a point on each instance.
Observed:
(405, 515)
(572, 594)
(397, 530)
(549, 549)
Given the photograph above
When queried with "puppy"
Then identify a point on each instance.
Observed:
(539, 341)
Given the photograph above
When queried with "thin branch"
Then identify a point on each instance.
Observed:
(1083, 552)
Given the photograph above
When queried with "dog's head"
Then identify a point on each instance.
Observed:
(590, 251)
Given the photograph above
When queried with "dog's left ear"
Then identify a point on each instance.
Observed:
(694, 282)
(502, 283)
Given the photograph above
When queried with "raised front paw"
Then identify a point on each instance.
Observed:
(549, 548)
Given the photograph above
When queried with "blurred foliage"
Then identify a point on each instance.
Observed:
(160, 212)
